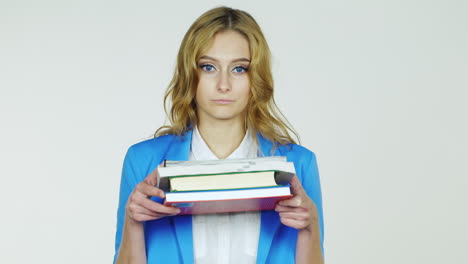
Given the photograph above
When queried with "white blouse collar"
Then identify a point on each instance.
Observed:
(201, 151)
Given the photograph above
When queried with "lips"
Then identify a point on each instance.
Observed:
(223, 101)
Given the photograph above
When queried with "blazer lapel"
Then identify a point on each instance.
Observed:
(270, 220)
(180, 150)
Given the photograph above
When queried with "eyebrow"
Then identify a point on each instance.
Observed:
(213, 59)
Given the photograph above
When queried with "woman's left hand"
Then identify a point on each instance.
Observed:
(300, 211)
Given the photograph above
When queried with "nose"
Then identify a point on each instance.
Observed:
(224, 84)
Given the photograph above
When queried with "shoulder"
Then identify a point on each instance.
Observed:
(149, 151)
(297, 152)
(304, 160)
(144, 156)
(151, 145)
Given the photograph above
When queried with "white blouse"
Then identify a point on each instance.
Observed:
(224, 238)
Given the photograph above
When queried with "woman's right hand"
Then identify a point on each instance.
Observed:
(141, 208)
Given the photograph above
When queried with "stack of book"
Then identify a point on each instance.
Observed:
(217, 186)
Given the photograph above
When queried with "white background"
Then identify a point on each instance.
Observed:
(377, 89)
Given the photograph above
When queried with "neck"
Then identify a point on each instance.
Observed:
(222, 137)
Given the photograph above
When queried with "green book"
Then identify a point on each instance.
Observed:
(225, 174)
(234, 180)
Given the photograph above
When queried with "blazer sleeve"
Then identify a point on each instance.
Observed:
(129, 179)
(311, 183)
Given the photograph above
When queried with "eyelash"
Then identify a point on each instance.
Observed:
(202, 66)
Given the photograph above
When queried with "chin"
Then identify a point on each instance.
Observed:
(225, 116)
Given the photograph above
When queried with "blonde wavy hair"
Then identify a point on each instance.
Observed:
(262, 113)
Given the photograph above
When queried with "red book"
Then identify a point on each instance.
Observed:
(221, 201)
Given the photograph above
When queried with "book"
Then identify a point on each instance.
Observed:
(172, 163)
(235, 180)
(222, 201)
(227, 174)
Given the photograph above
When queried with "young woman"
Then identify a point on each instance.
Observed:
(221, 107)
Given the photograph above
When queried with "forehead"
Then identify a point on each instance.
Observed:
(227, 46)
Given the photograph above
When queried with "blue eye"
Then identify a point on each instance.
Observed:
(240, 69)
(207, 67)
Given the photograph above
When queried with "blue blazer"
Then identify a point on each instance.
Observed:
(169, 239)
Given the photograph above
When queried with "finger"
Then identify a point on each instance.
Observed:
(296, 201)
(149, 190)
(135, 209)
(296, 186)
(302, 216)
(152, 178)
(298, 224)
(281, 208)
(144, 217)
(142, 210)
(159, 208)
